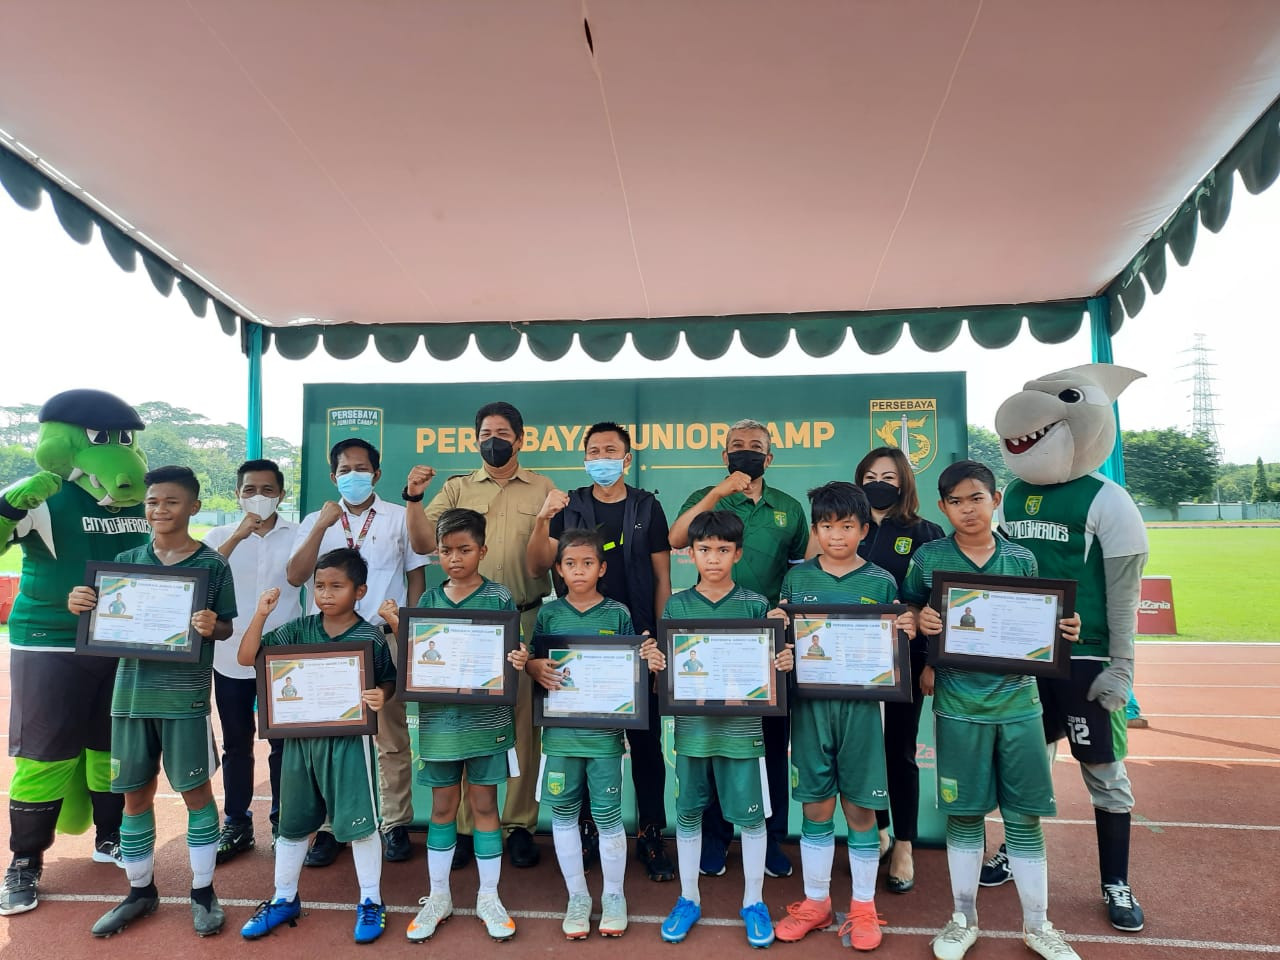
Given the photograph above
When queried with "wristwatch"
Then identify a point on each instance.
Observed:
(404, 495)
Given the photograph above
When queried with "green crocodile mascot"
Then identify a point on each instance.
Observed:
(85, 504)
(1055, 434)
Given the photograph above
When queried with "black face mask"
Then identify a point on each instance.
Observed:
(496, 452)
(750, 462)
(881, 495)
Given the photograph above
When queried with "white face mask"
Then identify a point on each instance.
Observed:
(264, 507)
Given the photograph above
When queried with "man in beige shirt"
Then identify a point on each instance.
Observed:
(509, 497)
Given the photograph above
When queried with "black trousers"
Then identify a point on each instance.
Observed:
(901, 732)
(235, 697)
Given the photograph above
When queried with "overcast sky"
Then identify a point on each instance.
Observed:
(71, 318)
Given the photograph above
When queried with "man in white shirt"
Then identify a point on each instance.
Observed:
(362, 520)
(257, 549)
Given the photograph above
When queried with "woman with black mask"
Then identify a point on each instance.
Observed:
(896, 532)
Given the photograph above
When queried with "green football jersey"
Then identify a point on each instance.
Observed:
(808, 583)
(971, 694)
(57, 539)
(1071, 528)
(174, 691)
(455, 731)
(310, 629)
(560, 618)
(735, 737)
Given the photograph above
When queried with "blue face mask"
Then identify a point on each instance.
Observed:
(355, 487)
(604, 472)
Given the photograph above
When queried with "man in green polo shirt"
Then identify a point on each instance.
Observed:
(775, 535)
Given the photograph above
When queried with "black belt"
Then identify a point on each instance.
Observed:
(531, 605)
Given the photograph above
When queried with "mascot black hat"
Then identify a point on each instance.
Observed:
(91, 408)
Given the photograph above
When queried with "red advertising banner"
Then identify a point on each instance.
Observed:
(1155, 607)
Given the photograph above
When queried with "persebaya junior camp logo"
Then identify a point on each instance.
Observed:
(347, 422)
(909, 424)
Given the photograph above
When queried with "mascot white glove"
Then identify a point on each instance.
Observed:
(1111, 687)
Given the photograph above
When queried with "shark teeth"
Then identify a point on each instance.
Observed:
(1028, 440)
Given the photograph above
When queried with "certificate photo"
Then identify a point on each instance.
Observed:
(456, 656)
(850, 652)
(1002, 624)
(143, 611)
(722, 667)
(314, 690)
(604, 682)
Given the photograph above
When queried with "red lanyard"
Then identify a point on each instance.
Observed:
(346, 526)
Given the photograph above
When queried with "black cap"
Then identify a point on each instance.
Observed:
(91, 408)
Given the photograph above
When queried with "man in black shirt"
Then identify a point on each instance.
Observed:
(638, 575)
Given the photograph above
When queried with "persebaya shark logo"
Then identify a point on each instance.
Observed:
(902, 545)
(1033, 505)
(555, 784)
(780, 518)
(347, 422)
(948, 789)
(911, 425)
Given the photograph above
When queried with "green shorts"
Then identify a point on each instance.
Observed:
(985, 765)
(488, 770)
(333, 779)
(739, 784)
(837, 746)
(139, 744)
(563, 777)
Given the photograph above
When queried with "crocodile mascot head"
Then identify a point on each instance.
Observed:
(1061, 426)
(90, 438)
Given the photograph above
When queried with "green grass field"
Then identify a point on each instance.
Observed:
(1222, 579)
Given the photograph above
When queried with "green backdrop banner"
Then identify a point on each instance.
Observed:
(820, 425)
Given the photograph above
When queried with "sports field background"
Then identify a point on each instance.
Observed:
(1223, 578)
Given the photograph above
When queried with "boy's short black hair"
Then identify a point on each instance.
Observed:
(460, 520)
(349, 561)
(608, 426)
(963, 470)
(839, 500)
(375, 458)
(716, 525)
(260, 466)
(500, 408)
(183, 476)
(580, 538)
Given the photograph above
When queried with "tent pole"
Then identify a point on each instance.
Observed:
(253, 349)
(1100, 338)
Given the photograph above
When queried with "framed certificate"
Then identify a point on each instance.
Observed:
(313, 690)
(850, 652)
(1002, 624)
(456, 656)
(721, 667)
(143, 611)
(604, 683)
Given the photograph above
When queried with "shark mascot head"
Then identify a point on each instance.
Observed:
(1061, 426)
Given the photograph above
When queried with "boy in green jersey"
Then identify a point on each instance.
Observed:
(990, 741)
(160, 711)
(729, 748)
(453, 737)
(837, 746)
(574, 758)
(327, 779)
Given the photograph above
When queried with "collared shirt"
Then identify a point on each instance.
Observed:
(509, 511)
(775, 534)
(385, 548)
(257, 564)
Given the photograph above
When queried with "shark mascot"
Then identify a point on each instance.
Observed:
(1055, 434)
(84, 504)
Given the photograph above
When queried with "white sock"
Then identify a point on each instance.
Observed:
(367, 854)
(613, 857)
(141, 873)
(289, 857)
(863, 865)
(965, 866)
(439, 866)
(203, 859)
(490, 869)
(1031, 877)
(816, 856)
(755, 841)
(568, 841)
(688, 856)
